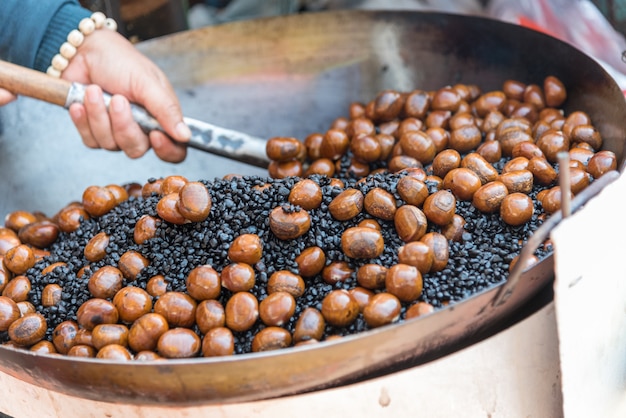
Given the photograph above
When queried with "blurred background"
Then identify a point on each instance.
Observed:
(599, 29)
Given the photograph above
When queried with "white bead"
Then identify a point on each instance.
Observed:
(110, 24)
(59, 62)
(98, 18)
(86, 26)
(75, 38)
(67, 50)
(53, 72)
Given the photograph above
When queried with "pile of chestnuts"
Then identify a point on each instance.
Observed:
(414, 201)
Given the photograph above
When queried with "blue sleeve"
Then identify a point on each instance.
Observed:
(31, 31)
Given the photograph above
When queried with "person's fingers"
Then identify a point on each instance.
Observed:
(166, 149)
(159, 98)
(6, 97)
(98, 117)
(78, 115)
(128, 135)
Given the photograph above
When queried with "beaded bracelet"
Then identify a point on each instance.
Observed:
(75, 38)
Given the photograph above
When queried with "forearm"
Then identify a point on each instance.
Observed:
(31, 31)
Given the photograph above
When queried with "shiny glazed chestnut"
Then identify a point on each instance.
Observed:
(520, 181)
(361, 242)
(286, 281)
(334, 145)
(19, 259)
(410, 223)
(179, 343)
(339, 308)
(271, 338)
(419, 309)
(542, 170)
(105, 334)
(283, 148)
(242, 311)
(416, 254)
(516, 209)
(238, 277)
(287, 224)
(28, 330)
(17, 288)
(120, 193)
(462, 182)
(145, 332)
(309, 326)
(69, 218)
(361, 295)
(9, 312)
(311, 261)
(554, 91)
(64, 336)
(95, 250)
(194, 201)
(418, 145)
(210, 314)
(96, 311)
(81, 350)
(114, 352)
(204, 282)
(465, 138)
(131, 264)
(105, 282)
(178, 308)
(98, 200)
(43, 347)
(173, 184)
(277, 308)
(26, 307)
(491, 151)
(168, 209)
(384, 308)
(479, 165)
(371, 276)
(131, 303)
(440, 207)
(601, 163)
(307, 194)
(412, 191)
(366, 148)
(438, 244)
(279, 170)
(51, 295)
(145, 229)
(246, 248)
(489, 197)
(445, 161)
(157, 285)
(337, 271)
(218, 342)
(380, 204)
(40, 234)
(404, 282)
(17, 219)
(454, 230)
(347, 204)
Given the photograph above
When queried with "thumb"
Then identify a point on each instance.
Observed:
(6, 97)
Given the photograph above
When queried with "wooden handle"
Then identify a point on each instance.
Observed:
(26, 82)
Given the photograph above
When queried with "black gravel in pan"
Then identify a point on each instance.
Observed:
(478, 262)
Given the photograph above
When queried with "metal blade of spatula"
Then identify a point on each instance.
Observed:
(205, 136)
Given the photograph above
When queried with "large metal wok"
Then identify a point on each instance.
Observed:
(292, 76)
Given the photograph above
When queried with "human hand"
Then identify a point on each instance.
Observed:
(106, 60)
